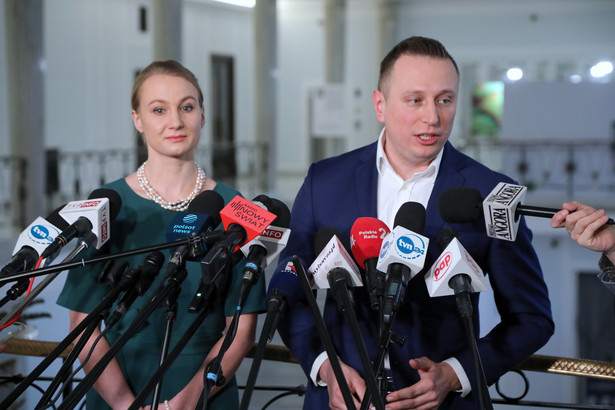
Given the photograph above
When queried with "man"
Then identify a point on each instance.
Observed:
(416, 100)
(588, 227)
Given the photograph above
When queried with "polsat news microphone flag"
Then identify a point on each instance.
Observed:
(250, 216)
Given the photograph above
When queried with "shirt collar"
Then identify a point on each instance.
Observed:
(382, 162)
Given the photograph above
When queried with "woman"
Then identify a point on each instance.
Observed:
(167, 109)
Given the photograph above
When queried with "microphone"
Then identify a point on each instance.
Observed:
(402, 255)
(242, 221)
(284, 287)
(333, 259)
(501, 208)
(455, 272)
(137, 281)
(366, 237)
(202, 214)
(262, 250)
(91, 215)
(32, 242)
(446, 274)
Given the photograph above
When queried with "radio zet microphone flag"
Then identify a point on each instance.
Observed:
(95, 210)
(453, 261)
(499, 210)
(250, 216)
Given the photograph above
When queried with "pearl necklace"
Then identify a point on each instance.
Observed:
(180, 205)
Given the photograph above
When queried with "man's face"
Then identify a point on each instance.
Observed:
(417, 106)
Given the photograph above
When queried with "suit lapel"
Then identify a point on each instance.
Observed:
(366, 183)
(448, 177)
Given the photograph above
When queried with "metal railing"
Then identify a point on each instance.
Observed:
(558, 170)
(587, 369)
(569, 169)
(73, 175)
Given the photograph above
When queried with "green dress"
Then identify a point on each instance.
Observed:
(141, 223)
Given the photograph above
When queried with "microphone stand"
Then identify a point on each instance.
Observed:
(275, 306)
(39, 288)
(197, 241)
(203, 305)
(67, 365)
(213, 375)
(386, 338)
(324, 334)
(93, 317)
(339, 280)
(170, 317)
(88, 381)
(462, 288)
(172, 356)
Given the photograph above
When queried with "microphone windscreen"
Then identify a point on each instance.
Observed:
(366, 237)
(282, 212)
(459, 205)
(322, 238)
(115, 201)
(411, 215)
(56, 220)
(265, 201)
(445, 236)
(287, 282)
(208, 202)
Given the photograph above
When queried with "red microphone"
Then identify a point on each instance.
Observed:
(366, 237)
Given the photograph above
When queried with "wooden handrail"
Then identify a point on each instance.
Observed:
(536, 363)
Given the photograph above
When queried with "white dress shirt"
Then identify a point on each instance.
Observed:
(393, 192)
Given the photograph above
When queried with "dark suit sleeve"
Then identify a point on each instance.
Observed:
(297, 327)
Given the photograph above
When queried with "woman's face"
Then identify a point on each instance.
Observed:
(169, 116)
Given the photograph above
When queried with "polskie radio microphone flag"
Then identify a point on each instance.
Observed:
(332, 255)
(454, 260)
(92, 215)
(366, 236)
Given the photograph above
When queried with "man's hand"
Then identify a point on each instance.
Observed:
(354, 380)
(437, 380)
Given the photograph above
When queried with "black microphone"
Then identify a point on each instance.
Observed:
(137, 282)
(32, 241)
(243, 220)
(366, 237)
(333, 267)
(402, 255)
(454, 272)
(202, 215)
(284, 286)
(91, 215)
(263, 249)
(501, 209)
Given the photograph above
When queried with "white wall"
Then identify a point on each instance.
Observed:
(92, 50)
(300, 65)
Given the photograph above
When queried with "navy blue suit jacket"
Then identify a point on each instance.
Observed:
(339, 190)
